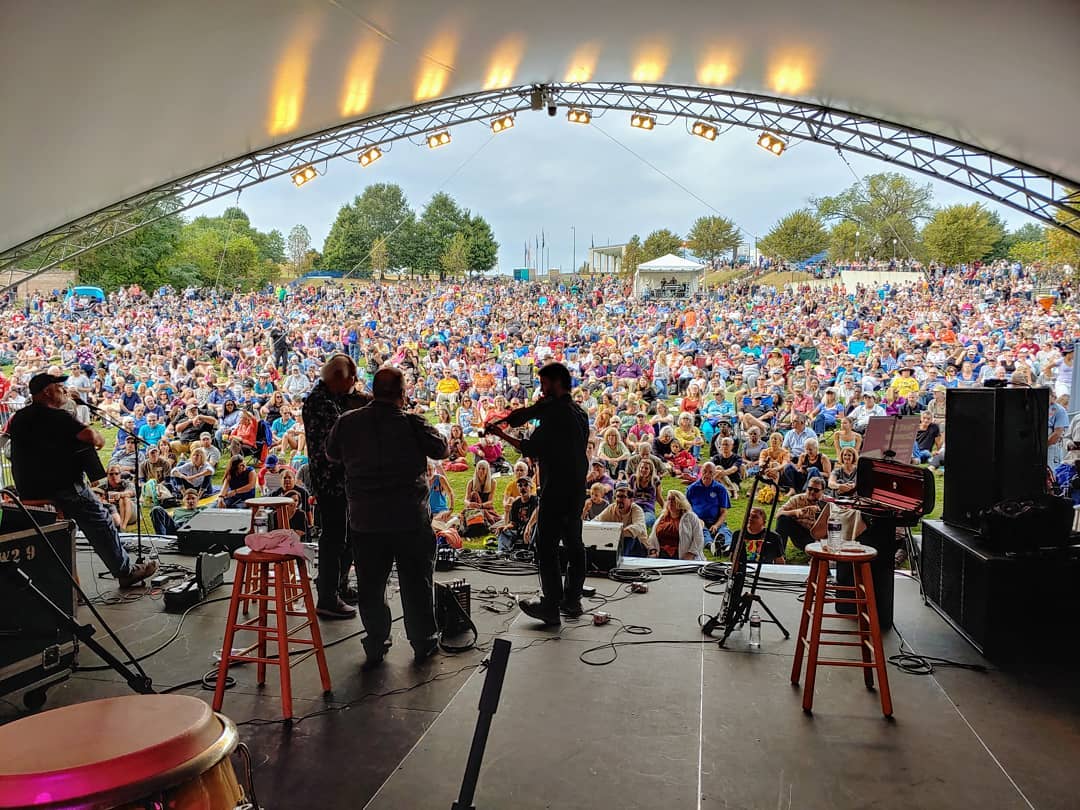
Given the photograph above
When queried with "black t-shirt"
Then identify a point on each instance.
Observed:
(45, 455)
(925, 438)
(521, 510)
(772, 542)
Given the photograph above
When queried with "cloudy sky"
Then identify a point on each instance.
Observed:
(547, 175)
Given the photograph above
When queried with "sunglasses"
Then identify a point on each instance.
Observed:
(815, 489)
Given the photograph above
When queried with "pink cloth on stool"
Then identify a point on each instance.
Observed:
(279, 541)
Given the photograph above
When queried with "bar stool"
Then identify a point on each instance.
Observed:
(280, 507)
(868, 635)
(274, 588)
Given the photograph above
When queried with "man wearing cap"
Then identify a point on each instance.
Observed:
(632, 518)
(860, 415)
(48, 446)
(270, 474)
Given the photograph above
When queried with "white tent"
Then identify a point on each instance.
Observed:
(669, 276)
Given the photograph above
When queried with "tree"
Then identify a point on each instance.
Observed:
(1062, 247)
(1028, 252)
(455, 259)
(299, 245)
(1002, 249)
(221, 258)
(632, 256)
(843, 243)
(140, 257)
(382, 210)
(713, 237)
(380, 257)
(483, 249)
(884, 206)
(959, 234)
(660, 243)
(441, 219)
(795, 237)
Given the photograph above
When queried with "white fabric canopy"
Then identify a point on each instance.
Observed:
(671, 264)
(103, 100)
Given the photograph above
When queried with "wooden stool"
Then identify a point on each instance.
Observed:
(274, 585)
(867, 636)
(281, 508)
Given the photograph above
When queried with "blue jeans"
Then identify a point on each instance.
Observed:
(922, 456)
(723, 536)
(823, 422)
(78, 503)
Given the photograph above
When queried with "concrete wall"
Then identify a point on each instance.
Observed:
(45, 283)
(877, 278)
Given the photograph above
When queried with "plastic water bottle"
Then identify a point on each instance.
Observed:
(262, 521)
(755, 630)
(836, 534)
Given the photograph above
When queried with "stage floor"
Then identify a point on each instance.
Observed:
(672, 722)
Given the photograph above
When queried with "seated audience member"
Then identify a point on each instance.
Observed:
(751, 452)
(842, 478)
(155, 475)
(206, 442)
(645, 490)
(244, 438)
(521, 470)
(797, 517)
(683, 463)
(490, 449)
(479, 498)
(795, 439)
(663, 442)
(756, 414)
(596, 503)
(641, 430)
(271, 472)
(118, 494)
(860, 415)
(440, 496)
(287, 432)
(729, 466)
(195, 473)
(190, 427)
(614, 452)
(811, 463)
(164, 523)
(599, 474)
(845, 436)
(710, 501)
(643, 452)
(521, 517)
(632, 518)
(687, 435)
(153, 430)
(300, 515)
(724, 430)
(927, 439)
(458, 460)
(758, 543)
(127, 457)
(678, 533)
(239, 484)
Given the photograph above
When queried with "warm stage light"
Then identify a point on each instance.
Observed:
(772, 143)
(578, 116)
(502, 123)
(303, 175)
(703, 130)
(437, 139)
(370, 156)
(642, 121)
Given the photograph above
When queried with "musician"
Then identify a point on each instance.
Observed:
(798, 516)
(559, 444)
(46, 462)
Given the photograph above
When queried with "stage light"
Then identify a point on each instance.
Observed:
(576, 115)
(502, 123)
(772, 143)
(303, 175)
(704, 130)
(437, 139)
(642, 121)
(370, 156)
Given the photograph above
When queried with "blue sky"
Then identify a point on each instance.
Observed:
(549, 175)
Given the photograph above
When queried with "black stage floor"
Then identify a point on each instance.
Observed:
(671, 723)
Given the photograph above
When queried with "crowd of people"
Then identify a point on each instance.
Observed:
(708, 391)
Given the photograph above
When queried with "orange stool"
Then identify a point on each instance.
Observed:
(868, 635)
(282, 508)
(275, 588)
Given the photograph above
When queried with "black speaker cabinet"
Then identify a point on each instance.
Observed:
(1004, 605)
(995, 449)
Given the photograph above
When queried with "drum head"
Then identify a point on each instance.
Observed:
(102, 748)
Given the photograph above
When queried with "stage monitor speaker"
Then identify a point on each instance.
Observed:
(214, 530)
(995, 449)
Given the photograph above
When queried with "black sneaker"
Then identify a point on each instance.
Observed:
(543, 612)
(571, 610)
(376, 653)
(425, 651)
(335, 610)
(350, 596)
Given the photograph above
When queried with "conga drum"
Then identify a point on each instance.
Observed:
(131, 753)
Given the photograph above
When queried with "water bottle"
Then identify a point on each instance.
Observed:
(836, 533)
(755, 630)
(262, 521)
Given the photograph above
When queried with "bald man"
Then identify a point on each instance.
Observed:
(332, 396)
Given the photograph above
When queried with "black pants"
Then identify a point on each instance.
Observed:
(335, 553)
(281, 357)
(790, 529)
(414, 552)
(560, 521)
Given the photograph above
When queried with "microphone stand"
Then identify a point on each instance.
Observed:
(104, 417)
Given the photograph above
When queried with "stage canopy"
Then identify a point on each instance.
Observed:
(669, 276)
(105, 100)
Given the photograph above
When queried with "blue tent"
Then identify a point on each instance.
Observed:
(95, 293)
(813, 261)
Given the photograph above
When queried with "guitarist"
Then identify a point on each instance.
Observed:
(48, 446)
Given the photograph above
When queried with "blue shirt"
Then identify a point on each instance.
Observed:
(707, 501)
(152, 435)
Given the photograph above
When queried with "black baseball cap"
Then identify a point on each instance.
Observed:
(39, 382)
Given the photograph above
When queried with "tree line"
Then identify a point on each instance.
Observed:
(881, 216)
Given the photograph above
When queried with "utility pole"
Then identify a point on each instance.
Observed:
(573, 237)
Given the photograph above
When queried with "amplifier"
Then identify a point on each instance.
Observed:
(1003, 604)
(214, 530)
(34, 652)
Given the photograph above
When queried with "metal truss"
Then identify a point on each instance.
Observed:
(1042, 195)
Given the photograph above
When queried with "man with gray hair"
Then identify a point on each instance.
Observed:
(332, 396)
